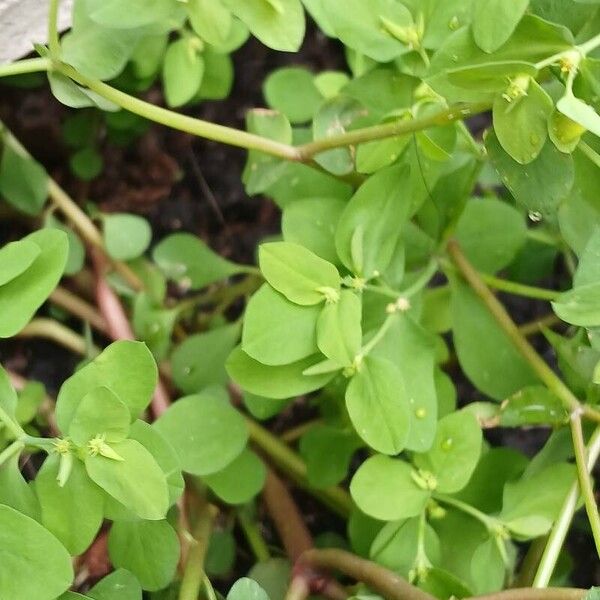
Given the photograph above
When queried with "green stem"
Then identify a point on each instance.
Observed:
(519, 289)
(15, 448)
(590, 45)
(11, 424)
(533, 594)
(46, 444)
(389, 321)
(57, 332)
(253, 537)
(589, 152)
(198, 127)
(585, 483)
(386, 130)
(292, 465)
(53, 39)
(21, 67)
(298, 590)
(539, 366)
(561, 526)
(193, 574)
(490, 523)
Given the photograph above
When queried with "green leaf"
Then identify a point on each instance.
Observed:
(312, 223)
(580, 112)
(532, 504)
(23, 181)
(16, 258)
(8, 396)
(246, 589)
(491, 233)
(455, 452)
(384, 488)
(183, 69)
(339, 333)
(278, 24)
(99, 412)
(148, 549)
(74, 512)
(34, 563)
(292, 91)
(443, 584)
(263, 170)
(240, 481)
(301, 276)
(76, 256)
(396, 546)
(534, 405)
(588, 269)
(564, 132)
(126, 368)
(164, 455)
(137, 481)
(277, 331)
(539, 186)
(360, 25)
(593, 594)
(70, 94)
(494, 21)
(377, 403)
(337, 445)
(486, 354)
(153, 324)
(206, 432)
(210, 20)
(411, 349)
(126, 236)
(580, 306)
(188, 260)
(110, 13)
(521, 124)
(119, 585)
(15, 491)
(221, 553)
(86, 163)
(371, 225)
(199, 361)
(335, 117)
(22, 296)
(285, 381)
(98, 50)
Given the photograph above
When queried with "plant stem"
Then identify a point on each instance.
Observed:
(490, 523)
(53, 39)
(11, 424)
(21, 67)
(294, 433)
(397, 128)
(292, 465)
(198, 127)
(382, 581)
(389, 321)
(539, 366)
(253, 537)
(298, 590)
(561, 526)
(533, 594)
(590, 45)
(78, 307)
(519, 289)
(15, 448)
(57, 332)
(538, 325)
(194, 568)
(585, 483)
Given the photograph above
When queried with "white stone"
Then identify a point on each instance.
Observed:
(23, 22)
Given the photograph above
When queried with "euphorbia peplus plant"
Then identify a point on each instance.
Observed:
(374, 306)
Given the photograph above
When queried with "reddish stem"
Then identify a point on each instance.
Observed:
(118, 326)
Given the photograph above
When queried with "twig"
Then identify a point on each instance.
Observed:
(383, 581)
(56, 332)
(537, 363)
(78, 307)
(533, 594)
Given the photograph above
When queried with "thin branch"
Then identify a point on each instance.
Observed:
(519, 289)
(539, 366)
(535, 594)
(283, 457)
(560, 529)
(79, 308)
(21, 67)
(53, 39)
(386, 583)
(56, 332)
(585, 482)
